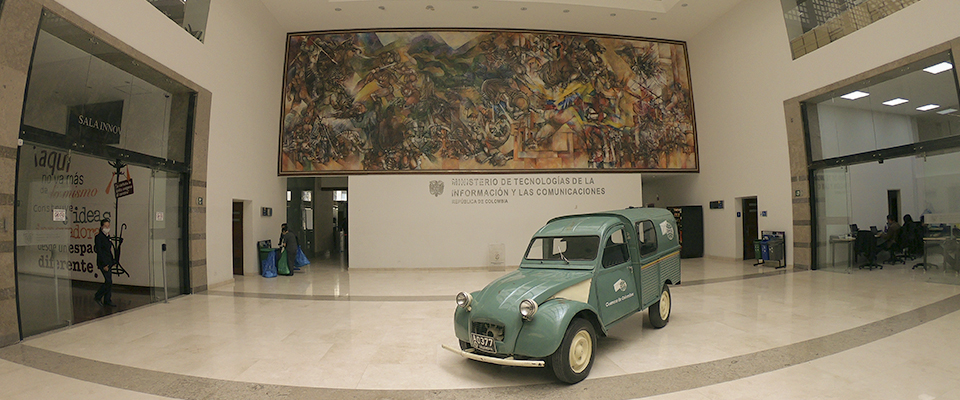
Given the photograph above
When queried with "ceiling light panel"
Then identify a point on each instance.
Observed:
(928, 107)
(947, 111)
(856, 94)
(938, 68)
(895, 102)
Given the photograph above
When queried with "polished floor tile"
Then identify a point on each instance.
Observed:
(332, 327)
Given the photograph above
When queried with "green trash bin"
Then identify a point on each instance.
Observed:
(263, 252)
(758, 249)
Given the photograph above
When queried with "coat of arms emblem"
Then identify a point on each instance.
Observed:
(436, 188)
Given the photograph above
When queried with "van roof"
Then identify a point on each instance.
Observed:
(591, 224)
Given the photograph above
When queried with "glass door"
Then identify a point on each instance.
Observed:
(165, 235)
(834, 236)
(54, 237)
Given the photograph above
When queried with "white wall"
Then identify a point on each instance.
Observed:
(667, 191)
(742, 72)
(845, 131)
(938, 183)
(241, 63)
(869, 184)
(396, 222)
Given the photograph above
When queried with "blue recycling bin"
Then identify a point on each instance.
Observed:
(765, 249)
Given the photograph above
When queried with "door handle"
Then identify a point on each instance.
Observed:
(630, 268)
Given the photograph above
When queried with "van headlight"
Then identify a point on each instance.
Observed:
(464, 299)
(528, 307)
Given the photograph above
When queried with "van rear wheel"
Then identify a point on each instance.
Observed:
(571, 363)
(660, 311)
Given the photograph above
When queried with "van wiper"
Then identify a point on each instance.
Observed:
(564, 258)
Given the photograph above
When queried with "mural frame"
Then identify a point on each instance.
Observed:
(689, 99)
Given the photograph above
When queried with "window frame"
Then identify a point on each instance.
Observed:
(641, 238)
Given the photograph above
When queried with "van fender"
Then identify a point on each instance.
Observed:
(541, 336)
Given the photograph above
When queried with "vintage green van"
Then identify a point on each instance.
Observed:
(581, 275)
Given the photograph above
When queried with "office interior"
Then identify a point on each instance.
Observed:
(810, 116)
(871, 133)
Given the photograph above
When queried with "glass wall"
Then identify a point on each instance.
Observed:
(91, 93)
(62, 197)
(916, 103)
(190, 15)
(103, 137)
(812, 24)
(888, 145)
(926, 186)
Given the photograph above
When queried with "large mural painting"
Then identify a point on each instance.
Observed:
(456, 101)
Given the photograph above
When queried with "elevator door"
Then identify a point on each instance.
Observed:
(237, 238)
(751, 231)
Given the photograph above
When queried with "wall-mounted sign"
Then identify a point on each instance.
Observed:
(266, 211)
(59, 214)
(159, 215)
(98, 122)
(716, 205)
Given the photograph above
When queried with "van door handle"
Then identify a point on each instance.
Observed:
(630, 268)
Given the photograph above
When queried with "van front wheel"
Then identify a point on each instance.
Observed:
(660, 311)
(571, 362)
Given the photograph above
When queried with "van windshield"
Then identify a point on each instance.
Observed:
(563, 248)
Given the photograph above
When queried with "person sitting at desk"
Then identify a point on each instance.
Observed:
(889, 235)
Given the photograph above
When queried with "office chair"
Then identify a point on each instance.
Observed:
(866, 245)
(912, 240)
(897, 251)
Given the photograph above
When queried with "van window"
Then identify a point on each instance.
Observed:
(615, 252)
(565, 248)
(648, 237)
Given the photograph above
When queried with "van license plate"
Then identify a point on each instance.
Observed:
(483, 343)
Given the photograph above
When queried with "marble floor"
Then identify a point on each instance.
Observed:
(737, 331)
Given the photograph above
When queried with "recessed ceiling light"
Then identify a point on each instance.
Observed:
(429, 7)
(382, 8)
(936, 69)
(566, 11)
(928, 107)
(613, 14)
(338, 9)
(523, 9)
(895, 102)
(947, 111)
(476, 7)
(653, 19)
(856, 94)
(684, 5)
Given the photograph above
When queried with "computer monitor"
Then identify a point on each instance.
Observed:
(874, 230)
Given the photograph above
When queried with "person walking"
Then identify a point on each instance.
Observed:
(103, 246)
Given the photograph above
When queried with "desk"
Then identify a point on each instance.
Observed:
(834, 241)
(927, 242)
